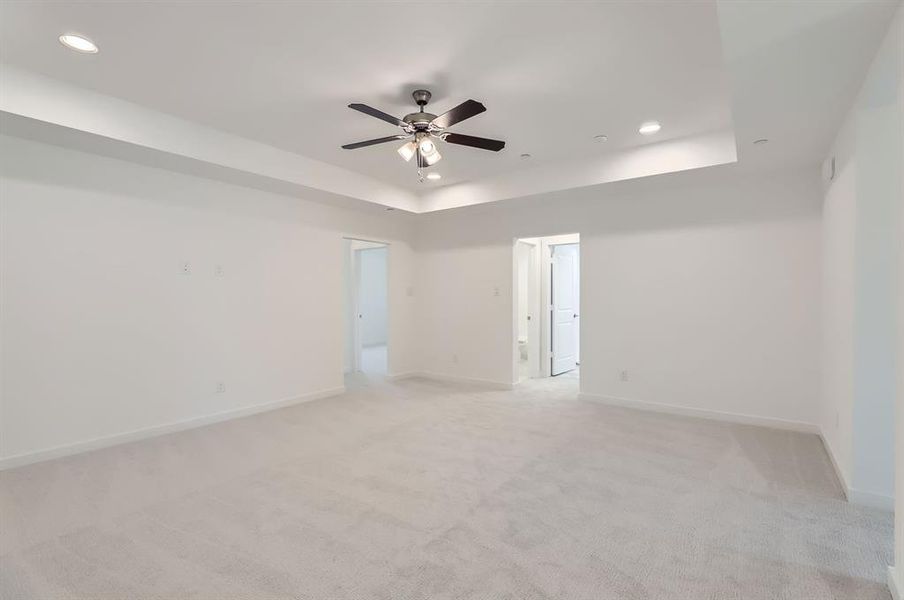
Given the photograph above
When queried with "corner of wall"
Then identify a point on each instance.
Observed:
(839, 472)
(896, 583)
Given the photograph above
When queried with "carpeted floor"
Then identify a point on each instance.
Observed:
(422, 490)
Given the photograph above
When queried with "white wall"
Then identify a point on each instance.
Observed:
(102, 332)
(897, 572)
(839, 216)
(896, 34)
(348, 306)
(705, 286)
(372, 296)
(862, 233)
(702, 285)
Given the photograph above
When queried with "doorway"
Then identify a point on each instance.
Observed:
(366, 307)
(547, 298)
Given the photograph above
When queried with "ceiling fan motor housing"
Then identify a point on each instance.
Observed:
(421, 97)
(420, 120)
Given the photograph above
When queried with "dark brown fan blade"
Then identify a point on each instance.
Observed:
(465, 110)
(382, 140)
(474, 142)
(368, 110)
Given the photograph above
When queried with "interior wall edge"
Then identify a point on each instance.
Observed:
(853, 495)
(839, 473)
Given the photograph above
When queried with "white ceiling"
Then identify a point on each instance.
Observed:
(718, 75)
(794, 67)
(552, 74)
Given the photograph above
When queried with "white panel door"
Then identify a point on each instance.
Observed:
(564, 330)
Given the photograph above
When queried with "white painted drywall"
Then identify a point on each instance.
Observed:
(897, 572)
(693, 152)
(76, 108)
(861, 239)
(372, 296)
(837, 397)
(349, 311)
(704, 285)
(103, 333)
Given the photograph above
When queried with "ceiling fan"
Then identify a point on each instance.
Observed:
(424, 129)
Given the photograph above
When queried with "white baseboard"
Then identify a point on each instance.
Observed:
(28, 458)
(701, 413)
(401, 376)
(497, 385)
(871, 499)
(896, 581)
(854, 496)
(842, 480)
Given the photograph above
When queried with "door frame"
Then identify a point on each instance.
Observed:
(541, 302)
(534, 304)
(350, 293)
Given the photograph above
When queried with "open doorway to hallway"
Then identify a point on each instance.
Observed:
(546, 307)
(366, 307)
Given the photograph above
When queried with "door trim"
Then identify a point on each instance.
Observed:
(544, 256)
(354, 308)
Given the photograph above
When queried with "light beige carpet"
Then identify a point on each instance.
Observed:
(422, 490)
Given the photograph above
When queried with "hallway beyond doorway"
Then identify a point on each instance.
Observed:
(373, 360)
(365, 275)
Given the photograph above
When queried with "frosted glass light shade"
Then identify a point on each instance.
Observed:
(408, 150)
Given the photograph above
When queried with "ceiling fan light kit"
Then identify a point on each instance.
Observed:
(407, 150)
(423, 129)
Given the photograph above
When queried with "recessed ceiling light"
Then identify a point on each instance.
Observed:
(525, 156)
(650, 127)
(78, 43)
(600, 138)
(761, 141)
(434, 176)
